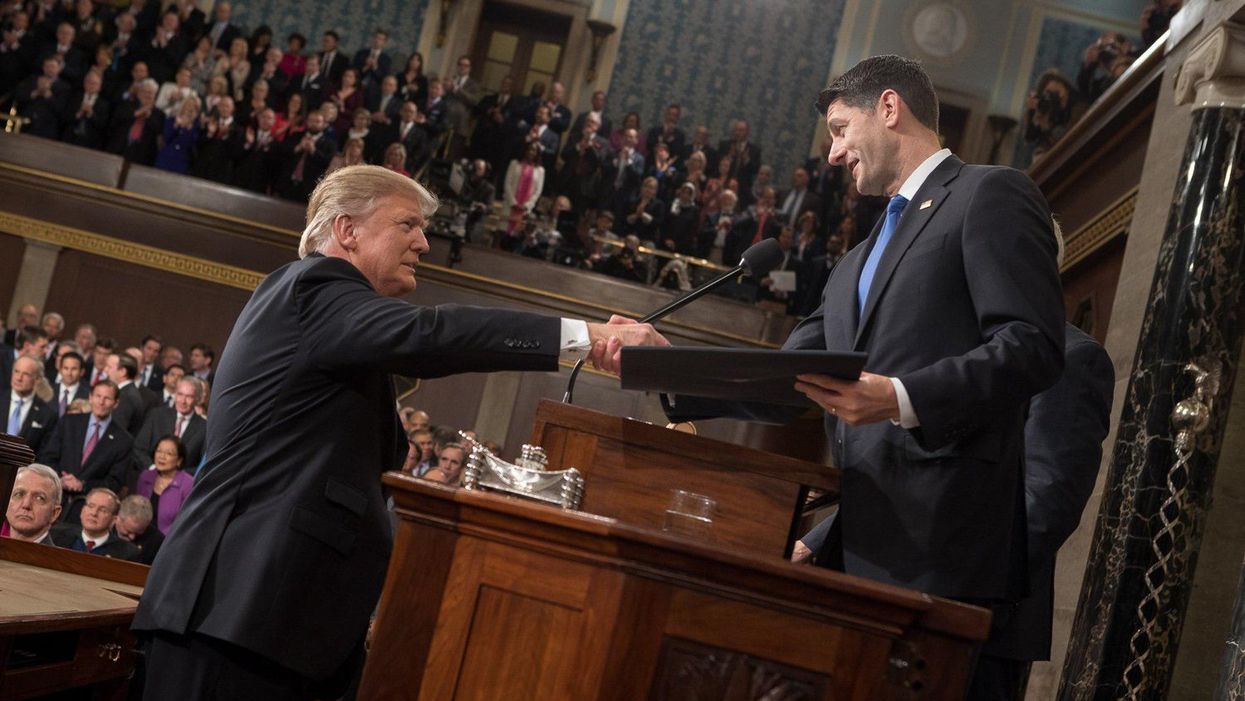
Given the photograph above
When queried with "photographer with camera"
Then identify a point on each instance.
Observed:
(1104, 61)
(1048, 111)
(1156, 18)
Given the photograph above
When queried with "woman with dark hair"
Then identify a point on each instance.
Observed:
(525, 178)
(261, 41)
(166, 485)
(291, 120)
(294, 63)
(348, 98)
(412, 85)
(631, 121)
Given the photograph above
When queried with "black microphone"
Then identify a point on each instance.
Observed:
(757, 261)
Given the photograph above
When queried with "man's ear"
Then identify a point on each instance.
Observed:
(889, 102)
(344, 232)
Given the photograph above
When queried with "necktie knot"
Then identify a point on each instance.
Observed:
(896, 205)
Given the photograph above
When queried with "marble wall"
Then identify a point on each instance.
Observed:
(761, 61)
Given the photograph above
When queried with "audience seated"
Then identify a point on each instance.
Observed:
(95, 534)
(34, 505)
(89, 450)
(450, 461)
(134, 524)
(27, 415)
(166, 484)
(179, 421)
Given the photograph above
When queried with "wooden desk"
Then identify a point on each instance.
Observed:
(491, 597)
(65, 621)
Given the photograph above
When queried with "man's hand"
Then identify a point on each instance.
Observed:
(800, 553)
(867, 400)
(608, 341)
(70, 482)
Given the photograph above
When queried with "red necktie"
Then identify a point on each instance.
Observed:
(90, 545)
(136, 129)
(90, 444)
(760, 227)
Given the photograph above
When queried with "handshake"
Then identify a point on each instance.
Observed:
(608, 340)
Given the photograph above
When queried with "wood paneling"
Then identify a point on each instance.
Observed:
(128, 301)
(534, 602)
(11, 250)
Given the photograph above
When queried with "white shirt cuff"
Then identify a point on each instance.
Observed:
(907, 415)
(575, 336)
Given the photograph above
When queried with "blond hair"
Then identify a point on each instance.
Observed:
(353, 191)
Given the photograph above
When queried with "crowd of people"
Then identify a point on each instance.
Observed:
(119, 434)
(1057, 101)
(193, 94)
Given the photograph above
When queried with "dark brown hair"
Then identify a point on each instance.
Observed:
(863, 84)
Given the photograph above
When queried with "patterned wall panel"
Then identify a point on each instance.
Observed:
(354, 20)
(763, 60)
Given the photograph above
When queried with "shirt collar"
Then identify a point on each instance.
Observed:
(103, 424)
(98, 541)
(14, 398)
(914, 182)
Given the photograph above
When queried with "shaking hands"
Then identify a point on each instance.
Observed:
(608, 341)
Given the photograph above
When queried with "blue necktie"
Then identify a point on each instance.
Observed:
(893, 211)
(15, 419)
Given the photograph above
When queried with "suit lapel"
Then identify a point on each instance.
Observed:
(915, 216)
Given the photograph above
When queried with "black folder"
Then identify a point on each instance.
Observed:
(740, 374)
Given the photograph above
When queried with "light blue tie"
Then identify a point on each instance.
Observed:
(893, 211)
(15, 419)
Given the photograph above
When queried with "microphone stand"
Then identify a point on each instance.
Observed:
(673, 306)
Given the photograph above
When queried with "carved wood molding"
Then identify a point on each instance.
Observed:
(1110, 223)
(136, 253)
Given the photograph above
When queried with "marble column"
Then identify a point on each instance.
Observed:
(34, 277)
(1140, 572)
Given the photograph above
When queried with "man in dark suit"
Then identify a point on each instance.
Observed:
(668, 133)
(598, 110)
(432, 114)
(406, 131)
(384, 102)
(43, 99)
(818, 272)
(73, 62)
(745, 156)
(95, 534)
(89, 450)
(622, 173)
(290, 492)
(17, 51)
(72, 385)
(1063, 448)
(494, 123)
(312, 86)
(131, 407)
(373, 63)
(88, 113)
(758, 223)
(700, 144)
(164, 50)
(220, 143)
(222, 32)
(25, 414)
(137, 126)
(798, 200)
(542, 134)
(134, 523)
(181, 421)
(332, 62)
(956, 299)
(305, 160)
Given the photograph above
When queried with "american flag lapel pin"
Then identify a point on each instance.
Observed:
(927, 204)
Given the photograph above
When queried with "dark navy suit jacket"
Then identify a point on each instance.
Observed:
(282, 546)
(966, 310)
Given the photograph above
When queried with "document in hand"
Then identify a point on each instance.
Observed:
(739, 374)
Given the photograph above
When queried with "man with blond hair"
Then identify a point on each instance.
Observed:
(265, 584)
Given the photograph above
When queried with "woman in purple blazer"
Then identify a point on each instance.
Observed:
(167, 486)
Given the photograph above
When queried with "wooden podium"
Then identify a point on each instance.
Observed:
(494, 597)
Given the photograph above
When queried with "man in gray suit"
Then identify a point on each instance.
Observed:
(462, 94)
(265, 584)
(956, 298)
